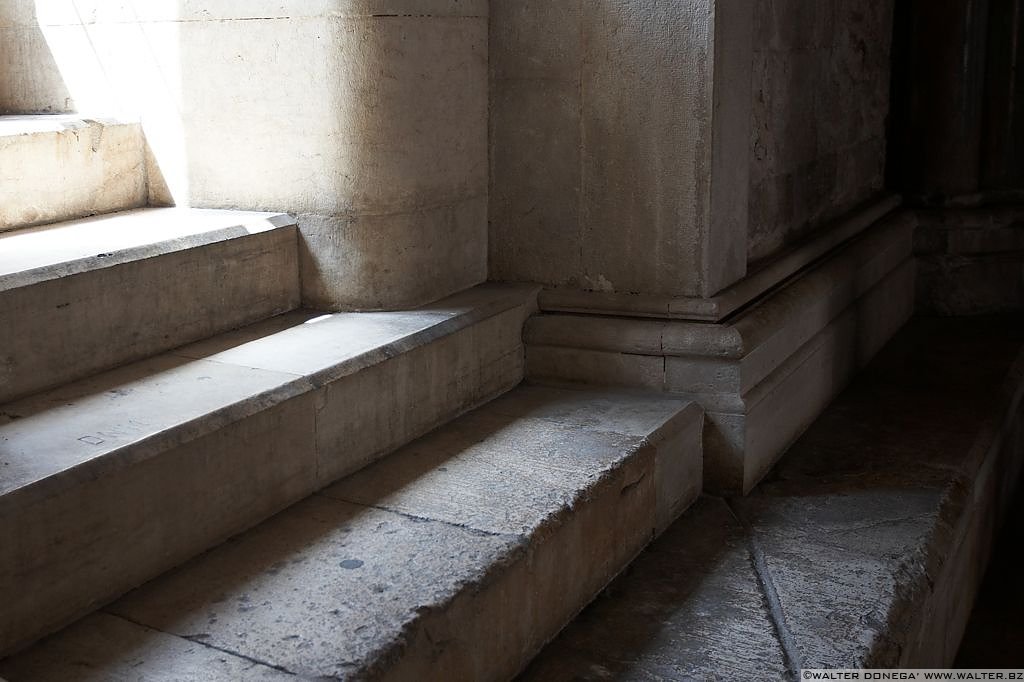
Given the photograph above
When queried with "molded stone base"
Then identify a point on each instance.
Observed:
(764, 375)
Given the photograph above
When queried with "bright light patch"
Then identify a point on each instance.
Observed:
(124, 59)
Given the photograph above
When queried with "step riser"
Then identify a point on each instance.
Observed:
(69, 172)
(64, 329)
(152, 515)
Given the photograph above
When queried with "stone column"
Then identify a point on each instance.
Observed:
(619, 144)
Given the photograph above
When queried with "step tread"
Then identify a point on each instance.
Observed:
(37, 254)
(335, 585)
(518, 459)
(54, 438)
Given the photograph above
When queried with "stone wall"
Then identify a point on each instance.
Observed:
(820, 101)
(368, 119)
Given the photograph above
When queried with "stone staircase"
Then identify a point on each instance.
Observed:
(394, 500)
(202, 480)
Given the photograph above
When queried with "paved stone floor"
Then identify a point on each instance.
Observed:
(995, 632)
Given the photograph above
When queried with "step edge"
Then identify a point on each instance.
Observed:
(255, 223)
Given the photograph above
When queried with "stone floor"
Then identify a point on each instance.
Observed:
(857, 551)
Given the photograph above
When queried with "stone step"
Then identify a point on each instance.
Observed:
(454, 558)
(864, 548)
(107, 482)
(65, 166)
(87, 295)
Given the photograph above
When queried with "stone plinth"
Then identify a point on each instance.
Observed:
(767, 372)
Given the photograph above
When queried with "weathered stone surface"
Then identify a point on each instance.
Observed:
(95, 473)
(863, 548)
(631, 413)
(161, 277)
(62, 167)
(461, 554)
(820, 100)
(840, 562)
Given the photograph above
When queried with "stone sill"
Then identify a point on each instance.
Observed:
(13, 125)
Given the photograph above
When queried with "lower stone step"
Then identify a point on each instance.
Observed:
(83, 296)
(110, 481)
(864, 548)
(455, 558)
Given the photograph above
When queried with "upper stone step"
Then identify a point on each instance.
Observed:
(107, 482)
(454, 558)
(59, 167)
(83, 296)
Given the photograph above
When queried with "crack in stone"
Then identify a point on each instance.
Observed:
(427, 519)
(776, 615)
(200, 640)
